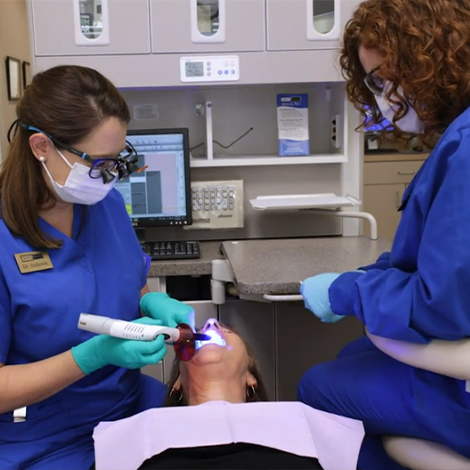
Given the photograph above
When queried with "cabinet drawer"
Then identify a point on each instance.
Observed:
(390, 172)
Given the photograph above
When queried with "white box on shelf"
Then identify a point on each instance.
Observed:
(292, 123)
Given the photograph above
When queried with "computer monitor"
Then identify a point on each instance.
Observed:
(160, 194)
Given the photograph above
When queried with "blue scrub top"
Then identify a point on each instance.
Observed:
(420, 291)
(101, 270)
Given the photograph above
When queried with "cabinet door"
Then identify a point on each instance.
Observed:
(55, 23)
(307, 24)
(304, 341)
(185, 26)
(383, 201)
(255, 322)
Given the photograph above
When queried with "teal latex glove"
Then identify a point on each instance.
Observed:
(314, 290)
(104, 350)
(171, 312)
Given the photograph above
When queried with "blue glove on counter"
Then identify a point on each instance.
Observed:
(104, 350)
(314, 290)
(170, 312)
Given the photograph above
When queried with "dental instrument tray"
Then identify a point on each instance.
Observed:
(328, 201)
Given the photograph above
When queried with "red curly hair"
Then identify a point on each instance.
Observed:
(425, 45)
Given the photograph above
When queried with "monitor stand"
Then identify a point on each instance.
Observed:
(140, 232)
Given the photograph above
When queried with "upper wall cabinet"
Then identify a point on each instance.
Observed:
(89, 27)
(195, 26)
(307, 24)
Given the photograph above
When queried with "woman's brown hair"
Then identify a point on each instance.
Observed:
(68, 103)
(425, 45)
(257, 394)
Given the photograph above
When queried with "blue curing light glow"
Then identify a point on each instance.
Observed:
(216, 338)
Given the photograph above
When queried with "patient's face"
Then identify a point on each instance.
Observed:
(225, 349)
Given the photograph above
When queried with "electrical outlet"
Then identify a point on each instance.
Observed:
(200, 110)
(336, 131)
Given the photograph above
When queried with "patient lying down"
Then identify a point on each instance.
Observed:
(217, 417)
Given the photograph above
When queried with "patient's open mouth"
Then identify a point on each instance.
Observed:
(215, 338)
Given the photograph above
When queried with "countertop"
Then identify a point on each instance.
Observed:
(395, 157)
(277, 266)
(188, 267)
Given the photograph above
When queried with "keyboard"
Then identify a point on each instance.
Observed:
(172, 250)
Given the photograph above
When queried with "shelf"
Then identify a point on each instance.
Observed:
(303, 201)
(267, 160)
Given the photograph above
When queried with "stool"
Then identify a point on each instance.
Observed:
(450, 358)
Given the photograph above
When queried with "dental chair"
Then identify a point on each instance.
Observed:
(450, 358)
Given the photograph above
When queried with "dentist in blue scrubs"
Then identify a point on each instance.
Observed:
(409, 60)
(67, 247)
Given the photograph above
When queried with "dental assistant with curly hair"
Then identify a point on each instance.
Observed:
(409, 62)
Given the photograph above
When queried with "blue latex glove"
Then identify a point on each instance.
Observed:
(104, 350)
(314, 290)
(171, 312)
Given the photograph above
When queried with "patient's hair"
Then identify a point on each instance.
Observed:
(425, 45)
(260, 394)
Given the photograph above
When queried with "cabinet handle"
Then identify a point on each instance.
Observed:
(407, 173)
(312, 33)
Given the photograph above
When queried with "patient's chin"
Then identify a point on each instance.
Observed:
(210, 353)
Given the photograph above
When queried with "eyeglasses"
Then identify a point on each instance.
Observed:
(123, 164)
(374, 84)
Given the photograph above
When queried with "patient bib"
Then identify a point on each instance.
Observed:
(287, 426)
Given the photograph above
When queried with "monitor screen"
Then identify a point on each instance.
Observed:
(160, 194)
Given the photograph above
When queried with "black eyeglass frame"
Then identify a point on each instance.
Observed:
(105, 173)
(368, 78)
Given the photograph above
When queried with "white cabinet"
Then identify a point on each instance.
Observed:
(176, 29)
(55, 24)
(306, 24)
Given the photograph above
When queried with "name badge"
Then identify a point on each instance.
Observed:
(33, 261)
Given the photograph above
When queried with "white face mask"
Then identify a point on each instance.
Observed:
(79, 188)
(409, 123)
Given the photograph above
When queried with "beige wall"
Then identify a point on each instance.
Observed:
(14, 42)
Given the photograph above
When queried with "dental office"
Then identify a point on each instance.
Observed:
(264, 177)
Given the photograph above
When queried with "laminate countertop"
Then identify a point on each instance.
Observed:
(188, 267)
(277, 266)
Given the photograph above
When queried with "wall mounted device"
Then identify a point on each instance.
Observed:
(217, 204)
(210, 69)
(160, 194)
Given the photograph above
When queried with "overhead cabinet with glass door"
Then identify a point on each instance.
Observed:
(205, 26)
(306, 24)
(89, 27)
(108, 27)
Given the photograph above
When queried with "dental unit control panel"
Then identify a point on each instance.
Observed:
(210, 69)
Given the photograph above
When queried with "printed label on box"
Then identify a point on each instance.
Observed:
(292, 121)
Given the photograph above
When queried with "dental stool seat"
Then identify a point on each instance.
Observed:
(418, 454)
(449, 358)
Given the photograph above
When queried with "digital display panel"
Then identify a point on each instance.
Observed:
(194, 69)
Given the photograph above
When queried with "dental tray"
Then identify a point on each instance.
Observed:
(328, 201)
